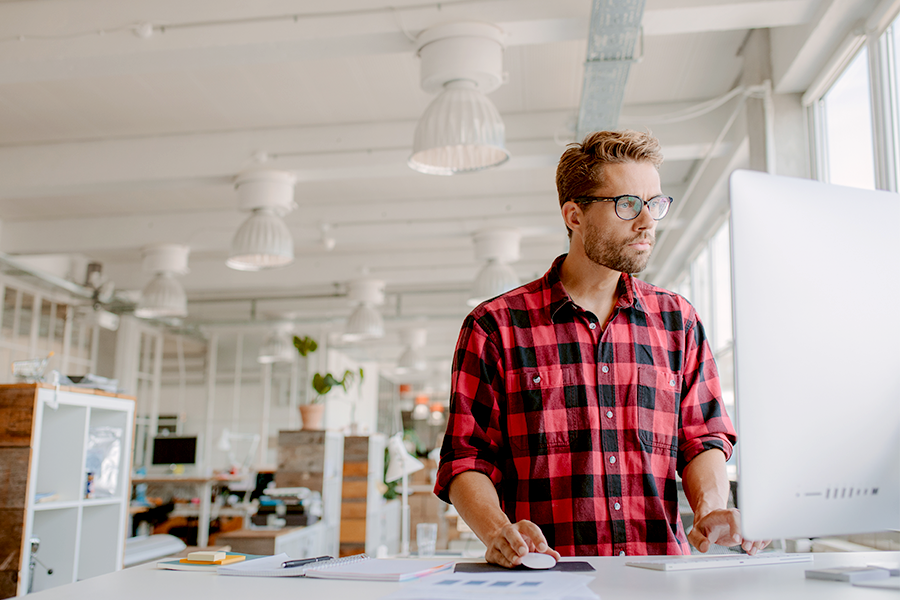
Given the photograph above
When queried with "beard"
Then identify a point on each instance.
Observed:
(603, 248)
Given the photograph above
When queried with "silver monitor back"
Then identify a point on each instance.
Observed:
(816, 300)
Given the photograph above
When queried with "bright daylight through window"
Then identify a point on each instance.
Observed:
(847, 124)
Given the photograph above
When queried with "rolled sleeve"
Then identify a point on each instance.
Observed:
(704, 422)
(474, 437)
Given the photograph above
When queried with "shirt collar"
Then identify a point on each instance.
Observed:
(629, 293)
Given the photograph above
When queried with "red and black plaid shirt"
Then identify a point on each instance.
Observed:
(582, 430)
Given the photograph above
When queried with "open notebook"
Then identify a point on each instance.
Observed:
(359, 567)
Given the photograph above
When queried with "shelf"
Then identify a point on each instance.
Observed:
(87, 502)
(45, 506)
(56, 440)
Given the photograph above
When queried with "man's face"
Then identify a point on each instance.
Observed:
(609, 241)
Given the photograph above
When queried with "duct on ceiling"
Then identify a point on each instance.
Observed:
(615, 29)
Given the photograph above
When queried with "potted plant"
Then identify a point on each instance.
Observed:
(323, 384)
(310, 414)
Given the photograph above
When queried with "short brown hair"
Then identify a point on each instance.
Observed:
(580, 169)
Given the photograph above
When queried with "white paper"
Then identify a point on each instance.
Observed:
(267, 566)
(491, 586)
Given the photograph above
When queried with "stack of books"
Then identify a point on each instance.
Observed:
(204, 561)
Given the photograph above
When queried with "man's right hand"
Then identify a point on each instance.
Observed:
(510, 543)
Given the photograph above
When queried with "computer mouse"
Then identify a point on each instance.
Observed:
(536, 560)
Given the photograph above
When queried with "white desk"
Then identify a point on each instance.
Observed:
(613, 581)
(204, 485)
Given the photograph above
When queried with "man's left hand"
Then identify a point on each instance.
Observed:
(721, 527)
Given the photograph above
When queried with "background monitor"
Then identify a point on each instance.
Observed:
(172, 450)
(816, 291)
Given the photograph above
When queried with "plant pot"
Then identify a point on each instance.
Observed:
(312, 416)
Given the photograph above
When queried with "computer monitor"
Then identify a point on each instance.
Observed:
(172, 450)
(816, 286)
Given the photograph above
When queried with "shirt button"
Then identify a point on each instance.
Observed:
(605, 369)
(537, 379)
(593, 326)
(612, 459)
(609, 414)
(617, 506)
(621, 553)
(672, 382)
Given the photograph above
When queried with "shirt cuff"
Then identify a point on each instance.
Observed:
(451, 468)
(692, 448)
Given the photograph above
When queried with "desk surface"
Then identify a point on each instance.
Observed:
(223, 479)
(613, 581)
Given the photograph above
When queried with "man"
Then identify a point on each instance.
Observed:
(578, 397)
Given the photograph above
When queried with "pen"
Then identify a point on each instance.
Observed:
(303, 561)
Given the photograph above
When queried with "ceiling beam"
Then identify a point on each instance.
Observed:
(668, 18)
(59, 40)
(799, 53)
(318, 153)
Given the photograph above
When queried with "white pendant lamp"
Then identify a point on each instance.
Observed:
(498, 247)
(163, 297)
(495, 278)
(413, 357)
(278, 347)
(365, 321)
(461, 131)
(264, 240)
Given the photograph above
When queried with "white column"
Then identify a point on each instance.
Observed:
(760, 112)
(238, 368)
(182, 385)
(266, 378)
(212, 358)
(155, 382)
(35, 325)
(67, 340)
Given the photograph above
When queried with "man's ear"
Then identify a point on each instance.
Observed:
(572, 215)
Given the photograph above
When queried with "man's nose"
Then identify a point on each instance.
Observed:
(644, 220)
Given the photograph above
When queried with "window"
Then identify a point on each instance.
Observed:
(846, 111)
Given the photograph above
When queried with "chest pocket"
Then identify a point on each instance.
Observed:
(546, 410)
(658, 407)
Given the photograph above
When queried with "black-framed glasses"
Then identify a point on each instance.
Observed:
(628, 207)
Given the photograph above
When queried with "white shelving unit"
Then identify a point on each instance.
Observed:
(49, 437)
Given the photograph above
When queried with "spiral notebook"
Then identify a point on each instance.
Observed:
(359, 567)
(365, 568)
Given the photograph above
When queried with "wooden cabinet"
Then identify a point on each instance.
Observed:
(349, 472)
(296, 542)
(313, 459)
(50, 439)
(367, 521)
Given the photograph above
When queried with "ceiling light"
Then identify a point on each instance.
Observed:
(437, 414)
(163, 297)
(461, 130)
(278, 347)
(413, 358)
(498, 247)
(494, 279)
(365, 322)
(420, 411)
(264, 240)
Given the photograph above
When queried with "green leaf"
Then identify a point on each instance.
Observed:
(322, 385)
(305, 345)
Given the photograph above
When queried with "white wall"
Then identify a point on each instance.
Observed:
(250, 402)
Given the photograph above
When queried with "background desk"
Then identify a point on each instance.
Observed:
(204, 486)
(296, 542)
(613, 581)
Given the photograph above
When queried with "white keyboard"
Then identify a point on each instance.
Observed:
(719, 561)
